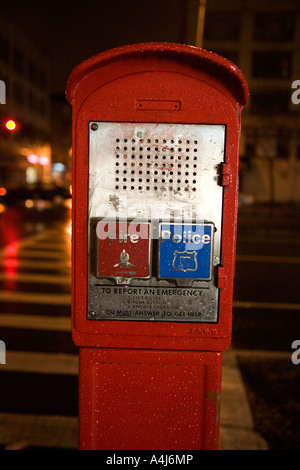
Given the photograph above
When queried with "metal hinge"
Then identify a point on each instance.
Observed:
(224, 177)
(221, 276)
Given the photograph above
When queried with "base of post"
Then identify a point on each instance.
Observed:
(149, 399)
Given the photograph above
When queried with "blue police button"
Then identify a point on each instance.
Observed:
(185, 251)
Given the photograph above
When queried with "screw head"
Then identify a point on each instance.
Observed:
(94, 126)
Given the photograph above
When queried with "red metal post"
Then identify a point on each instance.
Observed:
(150, 383)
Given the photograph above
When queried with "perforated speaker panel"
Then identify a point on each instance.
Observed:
(155, 170)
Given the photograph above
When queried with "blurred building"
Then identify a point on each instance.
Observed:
(263, 39)
(61, 139)
(25, 152)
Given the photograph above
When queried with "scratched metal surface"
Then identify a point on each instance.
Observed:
(156, 172)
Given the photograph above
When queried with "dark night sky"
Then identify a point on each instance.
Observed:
(72, 31)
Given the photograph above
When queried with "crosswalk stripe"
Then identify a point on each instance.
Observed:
(41, 363)
(256, 353)
(35, 278)
(35, 322)
(21, 263)
(37, 254)
(268, 259)
(47, 245)
(35, 297)
(32, 241)
(265, 305)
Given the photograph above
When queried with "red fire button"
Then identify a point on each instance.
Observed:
(123, 249)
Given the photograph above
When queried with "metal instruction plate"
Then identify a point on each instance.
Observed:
(151, 303)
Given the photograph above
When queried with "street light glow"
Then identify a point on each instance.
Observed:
(32, 159)
(43, 160)
(36, 159)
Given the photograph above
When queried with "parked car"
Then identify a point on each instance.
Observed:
(39, 195)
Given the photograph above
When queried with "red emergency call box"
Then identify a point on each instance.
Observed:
(156, 130)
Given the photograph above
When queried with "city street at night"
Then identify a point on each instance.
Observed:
(150, 226)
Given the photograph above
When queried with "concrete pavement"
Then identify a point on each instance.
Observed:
(236, 423)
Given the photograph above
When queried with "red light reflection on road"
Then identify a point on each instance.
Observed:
(10, 263)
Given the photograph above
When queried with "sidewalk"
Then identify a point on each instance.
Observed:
(236, 423)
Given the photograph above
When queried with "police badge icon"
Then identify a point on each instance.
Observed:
(185, 261)
(185, 251)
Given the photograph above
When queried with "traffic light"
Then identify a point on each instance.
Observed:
(10, 125)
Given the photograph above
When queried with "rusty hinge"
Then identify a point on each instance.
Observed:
(221, 276)
(224, 174)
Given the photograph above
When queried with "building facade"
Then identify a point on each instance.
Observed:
(61, 139)
(25, 153)
(263, 39)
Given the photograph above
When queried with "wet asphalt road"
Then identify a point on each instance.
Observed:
(266, 320)
(266, 288)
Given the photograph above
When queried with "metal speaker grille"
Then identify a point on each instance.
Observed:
(156, 165)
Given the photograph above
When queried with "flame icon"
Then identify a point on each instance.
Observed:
(124, 261)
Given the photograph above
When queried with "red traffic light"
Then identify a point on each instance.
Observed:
(10, 125)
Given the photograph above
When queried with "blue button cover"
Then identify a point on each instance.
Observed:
(185, 251)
